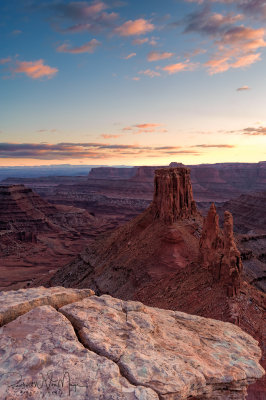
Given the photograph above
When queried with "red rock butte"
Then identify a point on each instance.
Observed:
(173, 198)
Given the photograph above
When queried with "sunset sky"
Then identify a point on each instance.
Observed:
(132, 82)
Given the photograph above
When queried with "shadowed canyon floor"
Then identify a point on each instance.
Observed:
(36, 237)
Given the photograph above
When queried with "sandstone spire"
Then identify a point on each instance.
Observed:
(173, 198)
(218, 251)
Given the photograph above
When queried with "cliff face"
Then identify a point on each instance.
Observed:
(65, 343)
(173, 199)
(218, 252)
(30, 227)
(21, 208)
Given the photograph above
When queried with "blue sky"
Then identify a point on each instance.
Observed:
(132, 82)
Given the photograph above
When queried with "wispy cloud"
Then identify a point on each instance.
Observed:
(209, 23)
(134, 28)
(5, 60)
(35, 69)
(145, 128)
(256, 8)
(106, 136)
(260, 131)
(140, 41)
(91, 17)
(129, 56)
(236, 45)
(217, 146)
(46, 130)
(88, 47)
(149, 72)
(178, 67)
(157, 55)
(62, 151)
(243, 88)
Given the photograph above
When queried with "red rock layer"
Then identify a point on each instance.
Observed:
(218, 252)
(173, 198)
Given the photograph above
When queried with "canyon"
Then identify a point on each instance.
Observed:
(141, 234)
(36, 237)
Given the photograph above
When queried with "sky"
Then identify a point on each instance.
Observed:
(134, 82)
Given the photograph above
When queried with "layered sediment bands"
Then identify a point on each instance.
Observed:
(37, 237)
(218, 252)
(173, 198)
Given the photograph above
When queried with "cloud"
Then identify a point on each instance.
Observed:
(130, 56)
(237, 48)
(35, 69)
(5, 60)
(260, 131)
(134, 28)
(62, 151)
(145, 128)
(86, 17)
(140, 41)
(46, 130)
(149, 72)
(16, 32)
(135, 78)
(256, 8)
(243, 88)
(106, 136)
(218, 146)
(209, 23)
(88, 47)
(178, 67)
(156, 55)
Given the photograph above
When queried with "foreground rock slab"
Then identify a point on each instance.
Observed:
(41, 358)
(18, 302)
(177, 355)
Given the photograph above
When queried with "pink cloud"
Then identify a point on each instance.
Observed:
(145, 128)
(150, 73)
(130, 56)
(110, 136)
(138, 27)
(35, 69)
(5, 60)
(140, 41)
(156, 55)
(237, 48)
(88, 47)
(175, 68)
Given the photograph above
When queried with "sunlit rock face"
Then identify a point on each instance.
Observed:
(106, 348)
(219, 253)
(173, 198)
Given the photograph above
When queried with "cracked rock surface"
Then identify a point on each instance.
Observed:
(18, 302)
(41, 357)
(102, 348)
(178, 355)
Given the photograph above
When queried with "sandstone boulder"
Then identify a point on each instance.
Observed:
(18, 302)
(177, 355)
(42, 358)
